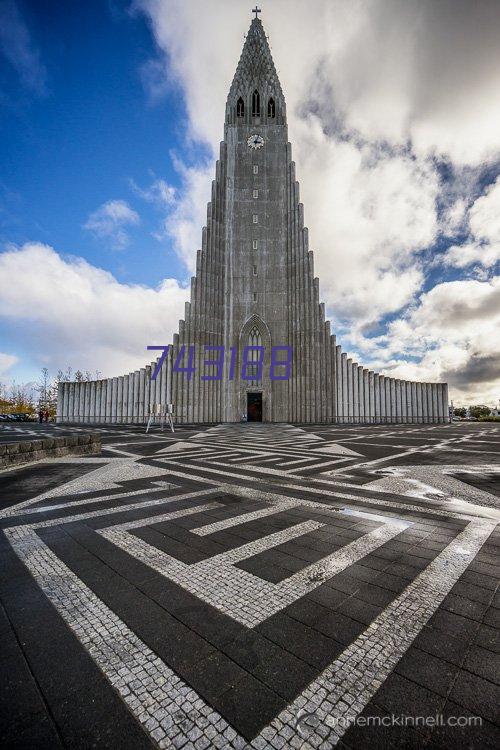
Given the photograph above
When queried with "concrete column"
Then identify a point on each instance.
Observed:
(97, 412)
(404, 408)
(114, 398)
(142, 388)
(435, 405)
(381, 380)
(366, 393)
(425, 413)
(446, 405)
(371, 395)
(393, 401)
(355, 393)
(136, 396)
(104, 394)
(92, 401)
(338, 376)
(349, 390)
(109, 399)
(397, 393)
(147, 391)
(345, 390)
(388, 408)
(361, 394)
(376, 398)
(414, 402)
(126, 380)
(81, 402)
(119, 400)
(59, 403)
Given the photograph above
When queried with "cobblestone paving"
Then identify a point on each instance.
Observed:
(254, 586)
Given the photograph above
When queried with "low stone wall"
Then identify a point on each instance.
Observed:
(25, 451)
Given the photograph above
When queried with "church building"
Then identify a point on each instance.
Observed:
(254, 342)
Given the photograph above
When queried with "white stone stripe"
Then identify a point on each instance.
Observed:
(166, 707)
(228, 523)
(83, 501)
(265, 543)
(123, 508)
(346, 687)
(149, 520)
(256, 494)
(243, 596)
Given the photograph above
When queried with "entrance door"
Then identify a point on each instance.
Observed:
(254, 407)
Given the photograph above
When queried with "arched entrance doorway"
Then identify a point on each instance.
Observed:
(254, 406)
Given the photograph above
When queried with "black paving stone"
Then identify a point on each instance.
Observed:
(280, 670)
(478, 735)
(339, 627)
(483, 663)
(452, 624)
(314, 647)
(477, 695)
(249, 705)
(488, 638)
(401, 695)
(429, 671)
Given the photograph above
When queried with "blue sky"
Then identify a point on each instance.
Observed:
(111, 114)
(70, 145)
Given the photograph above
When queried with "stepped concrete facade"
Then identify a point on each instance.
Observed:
(255, 286)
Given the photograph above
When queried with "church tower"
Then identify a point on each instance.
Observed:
(255, 266)
(254, 310)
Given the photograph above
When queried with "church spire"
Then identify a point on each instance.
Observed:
(255, 91)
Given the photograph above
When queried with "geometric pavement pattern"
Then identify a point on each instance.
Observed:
(253, 586)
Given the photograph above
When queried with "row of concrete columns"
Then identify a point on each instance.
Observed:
(126, 399)
(364, 396)
(311, 392)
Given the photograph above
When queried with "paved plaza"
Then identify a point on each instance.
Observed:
(253, 586)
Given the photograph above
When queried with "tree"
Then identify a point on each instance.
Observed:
(479, 411)
(43, 389)
(460, 411)
(20, 400)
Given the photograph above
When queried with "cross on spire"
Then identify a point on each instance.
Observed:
(256, 10)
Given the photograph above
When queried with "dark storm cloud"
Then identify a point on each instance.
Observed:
(477, 370)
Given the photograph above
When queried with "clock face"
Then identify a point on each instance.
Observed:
(255, 141)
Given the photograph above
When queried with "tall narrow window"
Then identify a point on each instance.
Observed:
(255, 193)
(255, 270)
(254, 339)
(240, 108)
(256, 169)
(271, 109)
(254, 244)
(255, 104)
(255, 218)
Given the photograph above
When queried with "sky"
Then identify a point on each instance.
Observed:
(111, 114)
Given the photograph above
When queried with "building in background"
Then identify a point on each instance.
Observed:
(255, 287)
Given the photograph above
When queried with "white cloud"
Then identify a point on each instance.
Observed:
(184, 221)
(453, 333)
(79, 315)
(18, 48)
(377, 94)
(109, 220)
(160, 193)
(6, 362)
(483, 247)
